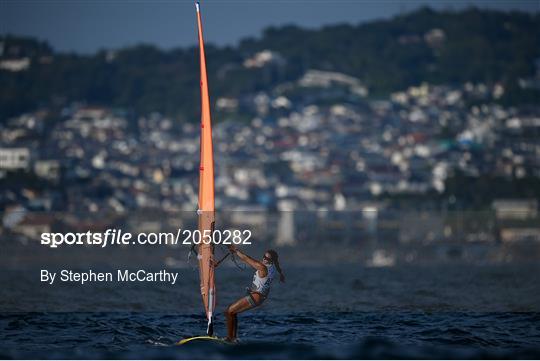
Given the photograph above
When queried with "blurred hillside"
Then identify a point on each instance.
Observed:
(388, 55)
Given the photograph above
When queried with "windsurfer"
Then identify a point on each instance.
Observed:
(265, 271)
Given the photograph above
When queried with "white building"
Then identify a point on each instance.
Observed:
(14, 158)
(515, 208)
(15, 65)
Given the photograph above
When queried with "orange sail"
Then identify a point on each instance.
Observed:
(205, 253)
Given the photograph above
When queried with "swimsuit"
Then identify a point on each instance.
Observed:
(252, 300)
(261, 285)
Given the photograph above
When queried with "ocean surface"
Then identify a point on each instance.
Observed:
(449, 310)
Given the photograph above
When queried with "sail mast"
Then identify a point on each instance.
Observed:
(206, 190)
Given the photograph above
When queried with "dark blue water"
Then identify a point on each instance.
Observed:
(300, 335)
(448, 311)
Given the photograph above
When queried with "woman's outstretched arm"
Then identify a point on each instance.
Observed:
(259, 266)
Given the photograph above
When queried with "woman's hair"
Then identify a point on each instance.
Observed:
(275, 261)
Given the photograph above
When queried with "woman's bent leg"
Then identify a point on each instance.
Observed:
(231, 315)
(231, 325)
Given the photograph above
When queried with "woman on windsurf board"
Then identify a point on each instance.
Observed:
(265, 272)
